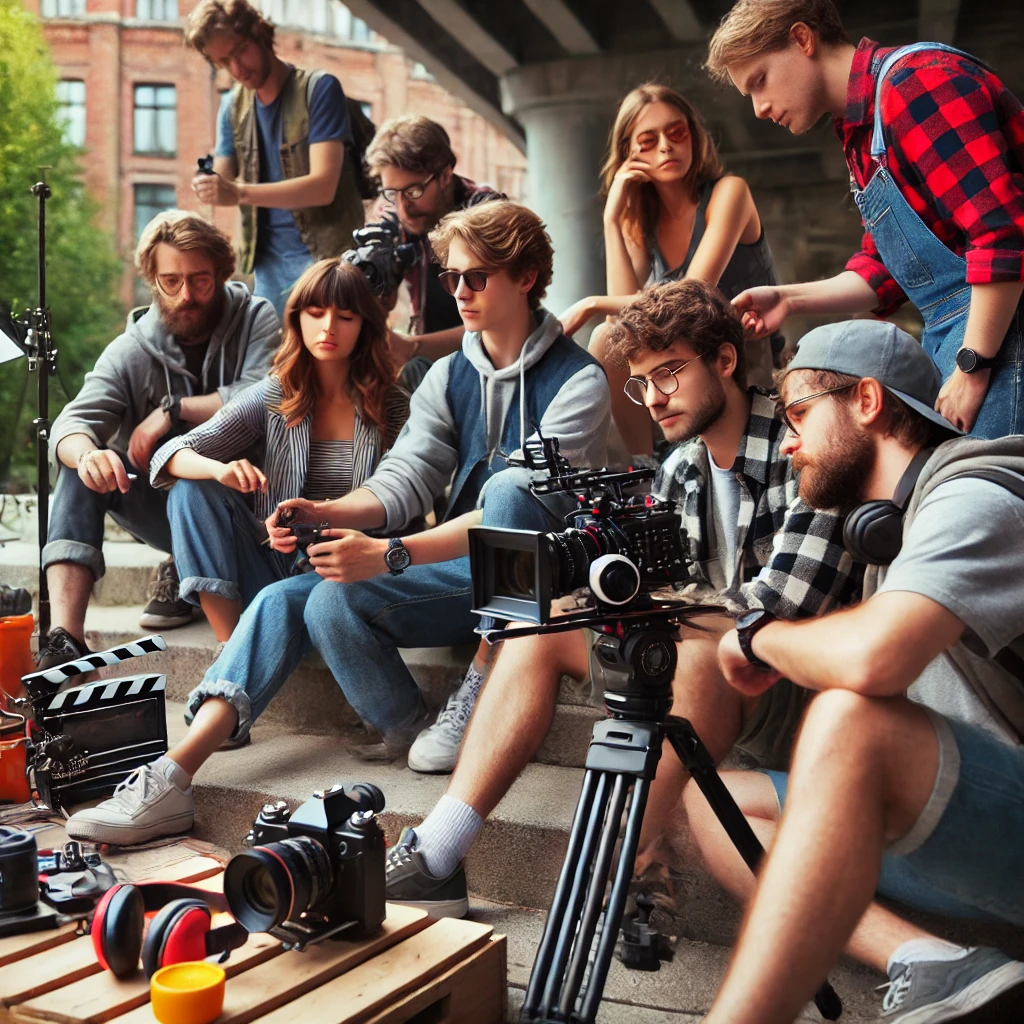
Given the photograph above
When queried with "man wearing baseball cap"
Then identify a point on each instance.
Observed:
(908, 775)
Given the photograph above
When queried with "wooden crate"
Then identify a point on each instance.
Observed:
(414, 971)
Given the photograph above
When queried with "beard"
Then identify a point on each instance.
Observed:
(190, 320)
(839, 484)
(696, 421)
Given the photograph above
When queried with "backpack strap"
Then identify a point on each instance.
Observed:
(311, 82)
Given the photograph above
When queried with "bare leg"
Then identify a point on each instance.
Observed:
(513, 714)
(70, 587)
(859, 759)
(222, 613)
(633, 421)
(880, 932)
(215, 721)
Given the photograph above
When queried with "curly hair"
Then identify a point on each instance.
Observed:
(209, 17)
(331, 283)
(503, 235)
(690, 311)
(186, 231)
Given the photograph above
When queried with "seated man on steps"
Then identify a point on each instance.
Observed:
(750, 538)
(203, 339)
(368, 596)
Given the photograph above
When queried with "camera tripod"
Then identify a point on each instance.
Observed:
(636, 663)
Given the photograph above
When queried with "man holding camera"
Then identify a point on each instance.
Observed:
(908, 776)
(280, 152)
(749, 537)
(412, 158)
(203, 339)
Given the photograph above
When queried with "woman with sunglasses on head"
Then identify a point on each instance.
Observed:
(320, 423)
(671, 213)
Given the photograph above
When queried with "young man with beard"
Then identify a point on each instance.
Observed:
(908, 776)
(752, 541)
(203, 339)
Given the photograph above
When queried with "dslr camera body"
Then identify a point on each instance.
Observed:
(381, 255)
(313, 873)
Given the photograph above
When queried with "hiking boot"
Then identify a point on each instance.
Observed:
(59, 648)
(14, 601)
(147, 805)
(437, 748)
(985, 985)
(408, 882)
(165, 610)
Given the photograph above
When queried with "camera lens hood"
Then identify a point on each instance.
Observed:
(614, 579)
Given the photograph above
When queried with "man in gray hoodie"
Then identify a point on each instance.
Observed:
(203, 339)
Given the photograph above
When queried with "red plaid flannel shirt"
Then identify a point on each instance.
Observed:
(954, 136)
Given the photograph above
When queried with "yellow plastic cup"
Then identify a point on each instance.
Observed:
(188, 993)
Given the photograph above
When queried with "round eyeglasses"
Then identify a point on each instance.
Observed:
(476, 280)
(409, 192)
(200, 285)
(664, 379)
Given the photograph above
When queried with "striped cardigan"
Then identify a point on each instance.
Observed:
(251, 418)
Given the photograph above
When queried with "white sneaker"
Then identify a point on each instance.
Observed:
(147, 805)
(436, 749)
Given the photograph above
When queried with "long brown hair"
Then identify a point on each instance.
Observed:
(332, 283)
(641, 210)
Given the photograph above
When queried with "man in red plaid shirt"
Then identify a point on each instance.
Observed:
(935, 146)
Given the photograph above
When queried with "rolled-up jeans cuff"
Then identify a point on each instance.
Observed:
(76, 552)
(206, 585)
(232, 693)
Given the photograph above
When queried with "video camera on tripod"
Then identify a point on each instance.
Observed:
(381, 255)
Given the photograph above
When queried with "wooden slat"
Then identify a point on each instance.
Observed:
(369, 988)
(474, 991)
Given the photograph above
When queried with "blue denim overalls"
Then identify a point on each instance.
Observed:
(935, 278)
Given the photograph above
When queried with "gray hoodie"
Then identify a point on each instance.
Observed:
(426, 454)
(138, 369)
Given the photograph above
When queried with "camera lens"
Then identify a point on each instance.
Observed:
(19, 870)
(270, 884)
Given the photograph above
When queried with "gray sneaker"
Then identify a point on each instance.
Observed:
(408, 882)
(984, 986)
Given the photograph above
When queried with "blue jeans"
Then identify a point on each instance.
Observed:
(276, 275)
(359, 627)
(75, 532)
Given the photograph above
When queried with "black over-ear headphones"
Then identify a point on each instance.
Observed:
(873, 532)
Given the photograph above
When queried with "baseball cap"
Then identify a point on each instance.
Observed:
(874, 348)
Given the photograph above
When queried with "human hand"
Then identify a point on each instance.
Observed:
(632, 172)
(218, 191)
(281, 539)
(748, 679)
(961, 397)
(145, 436)
(762, 310)
(349, 556)
(576, 316)
(242, 476)
(102, 471)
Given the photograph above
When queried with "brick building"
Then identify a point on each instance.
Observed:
(143, 106)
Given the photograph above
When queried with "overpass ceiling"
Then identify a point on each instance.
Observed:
(469, 45)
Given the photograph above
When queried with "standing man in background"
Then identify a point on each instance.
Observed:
(280, 151)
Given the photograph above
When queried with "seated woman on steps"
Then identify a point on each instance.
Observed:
(321, 421)
(671, 213)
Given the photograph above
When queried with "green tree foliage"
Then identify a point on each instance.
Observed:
(82, 269)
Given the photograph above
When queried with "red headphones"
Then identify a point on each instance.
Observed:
(180, 931)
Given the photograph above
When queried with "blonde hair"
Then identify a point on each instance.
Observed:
(187, 232)
(754, 27)
(209, 17)
(504, 236)
(411, 143)
(641, 208)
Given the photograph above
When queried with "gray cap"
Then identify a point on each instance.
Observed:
(873, 348)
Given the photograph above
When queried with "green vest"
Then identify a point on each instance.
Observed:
(325, 230)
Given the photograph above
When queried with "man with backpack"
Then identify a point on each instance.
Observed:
(285, 150)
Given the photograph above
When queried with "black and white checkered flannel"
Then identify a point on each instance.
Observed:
(792, 560)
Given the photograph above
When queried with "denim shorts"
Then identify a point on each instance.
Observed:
(964, 857)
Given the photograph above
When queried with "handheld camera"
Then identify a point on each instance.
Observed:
(381, 255)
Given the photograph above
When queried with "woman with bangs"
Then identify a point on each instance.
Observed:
(671, 212)
(318, 425)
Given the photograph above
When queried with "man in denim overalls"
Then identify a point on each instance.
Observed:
(935, 146)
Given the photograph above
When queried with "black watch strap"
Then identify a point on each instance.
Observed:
(172, 406)
(746, 626)
(970, 361)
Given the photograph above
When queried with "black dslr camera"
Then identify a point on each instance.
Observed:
(381, 255)
(304, 533)
(619, 546)
(313, 873)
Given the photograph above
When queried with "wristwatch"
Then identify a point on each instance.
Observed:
(397, 557)
(746, 626)
(969, 361)
(172, 406)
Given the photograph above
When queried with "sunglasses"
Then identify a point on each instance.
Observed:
(476, 280)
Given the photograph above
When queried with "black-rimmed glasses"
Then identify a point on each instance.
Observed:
(782, 411)
(664, 379)
(409, 192)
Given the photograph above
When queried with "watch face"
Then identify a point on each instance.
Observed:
(398, 558)
(967, 360)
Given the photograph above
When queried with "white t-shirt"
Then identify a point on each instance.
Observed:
(723, 543)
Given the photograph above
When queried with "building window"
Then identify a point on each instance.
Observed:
(71, 110)
(149, 201)
(156, 10)
(359, 32)
(156, 120)
(63, 8)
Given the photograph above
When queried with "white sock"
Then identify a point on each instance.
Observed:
(173, 772)
(927, 949)
(446, 835)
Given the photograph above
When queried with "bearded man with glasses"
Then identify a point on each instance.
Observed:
(203, 339)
